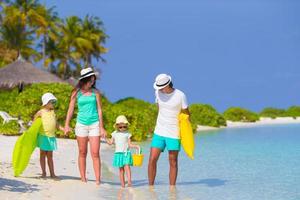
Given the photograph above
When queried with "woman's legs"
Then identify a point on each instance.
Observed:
(154, 155)
(82, 146)
(43, 162)
(50, 163)
(173, 161)
(122, 178)
(128, 174)
(94, 148)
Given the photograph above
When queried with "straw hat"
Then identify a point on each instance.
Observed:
(48, 97)
(121, 119)
(86, 72)
(161, 81)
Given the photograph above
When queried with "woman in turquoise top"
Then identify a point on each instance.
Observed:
(89, 126)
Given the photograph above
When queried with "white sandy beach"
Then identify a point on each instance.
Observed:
(31, 186)
(262, 122)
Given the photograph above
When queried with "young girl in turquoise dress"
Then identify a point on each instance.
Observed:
(46, 137)
(122, 156)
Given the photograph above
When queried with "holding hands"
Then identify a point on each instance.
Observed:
(66, 130)
(103, 133)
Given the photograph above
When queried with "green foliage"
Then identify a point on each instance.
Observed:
(273, 112)
(140, 114)
(204, 114)
(37, 32)
(28, 102)
(293, 111)
(10, 128)
(240, 114)
(6, 55)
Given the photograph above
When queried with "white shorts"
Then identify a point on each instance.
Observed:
(82, 130)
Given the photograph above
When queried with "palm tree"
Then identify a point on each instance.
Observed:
(73, 43)
(6, 55)
(81, 41)
(93, 31)
(68, 41)
(48, 30)
(66, 45)
(12, 35)
(17, 24)
(54, 55)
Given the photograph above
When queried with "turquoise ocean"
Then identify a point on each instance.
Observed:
(254, 163)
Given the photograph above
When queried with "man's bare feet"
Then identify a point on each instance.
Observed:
(84, 180)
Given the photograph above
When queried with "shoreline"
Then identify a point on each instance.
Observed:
(263, 121)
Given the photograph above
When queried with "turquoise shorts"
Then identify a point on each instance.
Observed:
(162, 142)
(46, 143)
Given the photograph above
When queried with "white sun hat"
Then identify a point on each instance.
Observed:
(86, 72)
(48, 97)
(161, 81)
(121, 119)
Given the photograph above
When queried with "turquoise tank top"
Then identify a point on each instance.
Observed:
(87, 108)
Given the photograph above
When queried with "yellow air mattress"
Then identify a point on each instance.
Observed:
(186, 135)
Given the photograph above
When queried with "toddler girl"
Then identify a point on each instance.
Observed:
(46, 137)
(122, 155)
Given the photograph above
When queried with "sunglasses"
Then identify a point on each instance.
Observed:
(92, 80)
(122, 127)
(53, 102)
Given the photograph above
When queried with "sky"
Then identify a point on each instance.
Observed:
(221, 52)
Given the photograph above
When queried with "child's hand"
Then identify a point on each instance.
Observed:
(61, 128)
(109, 141)
(103, 133)
(67, 129)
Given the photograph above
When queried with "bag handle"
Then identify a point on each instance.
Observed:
(138, 151)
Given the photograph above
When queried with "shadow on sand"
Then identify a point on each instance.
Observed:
(12, 185)
(61, 177)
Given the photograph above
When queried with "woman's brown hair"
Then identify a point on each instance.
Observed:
(83, 81)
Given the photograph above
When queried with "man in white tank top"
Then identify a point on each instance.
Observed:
(170, 103)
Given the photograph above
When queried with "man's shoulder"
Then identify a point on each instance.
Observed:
(179, 92)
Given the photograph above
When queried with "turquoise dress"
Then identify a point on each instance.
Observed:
(122, 155)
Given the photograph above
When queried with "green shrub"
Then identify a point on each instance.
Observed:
(10, 128)
(273, 112)
(240, 114)
(293, 111)
(140, 114)
(204, 114)
(28, 102)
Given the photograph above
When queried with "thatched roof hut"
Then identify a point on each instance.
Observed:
(22, 72)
